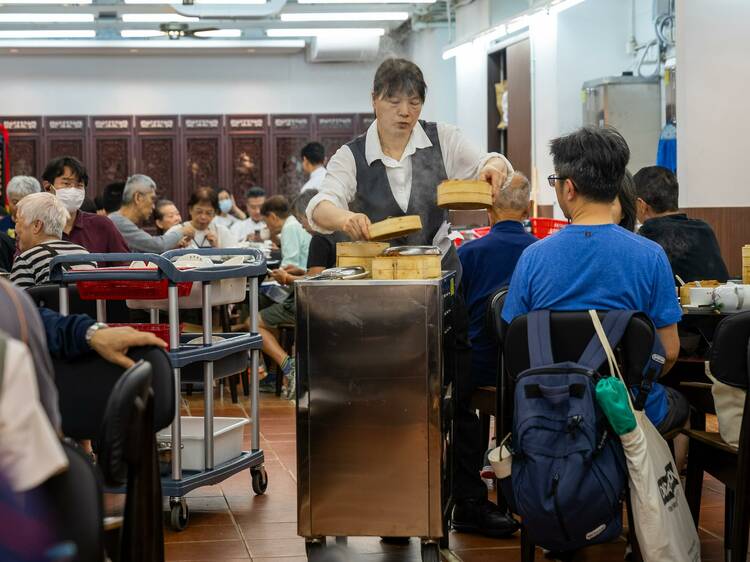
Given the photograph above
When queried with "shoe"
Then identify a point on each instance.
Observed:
(289, 391)
(483, 517)
(268, 385)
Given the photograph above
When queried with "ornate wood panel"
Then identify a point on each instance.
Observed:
(290, 133)
(112, 150)
(247, 154)
(364, 120)
(157, 155)
(66, 136)
(334, 130)
(24, 149)
(202, 148)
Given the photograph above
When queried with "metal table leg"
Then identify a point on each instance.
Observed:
(174, 344)
(208, 382)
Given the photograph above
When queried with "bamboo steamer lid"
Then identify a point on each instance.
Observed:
(406, 267)
(395, 227)
(464, 195)
(360, 249)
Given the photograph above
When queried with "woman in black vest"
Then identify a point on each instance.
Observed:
(394, 170)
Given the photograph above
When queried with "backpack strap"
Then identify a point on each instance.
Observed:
(539, 338)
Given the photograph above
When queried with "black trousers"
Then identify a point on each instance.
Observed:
(468, 448)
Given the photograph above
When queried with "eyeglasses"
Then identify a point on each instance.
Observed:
(553, 178)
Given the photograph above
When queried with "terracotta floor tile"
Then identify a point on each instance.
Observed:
(197, 533)
(253, 531)
(276, 547)
(207, 550)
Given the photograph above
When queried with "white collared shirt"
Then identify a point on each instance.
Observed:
(462, 160)
(316, 178)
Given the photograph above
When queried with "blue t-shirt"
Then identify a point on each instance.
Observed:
(602, 267)
(488, 264)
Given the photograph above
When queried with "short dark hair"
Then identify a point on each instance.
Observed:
(278, 204)
(399, 76)
(658, 187)
(112, 196)
(204, 195)
(56, 168)
(594, 159)
(314, 152)
(627, 197)
(255, 192)
(159, 209)
(300, 203)
(88, 205)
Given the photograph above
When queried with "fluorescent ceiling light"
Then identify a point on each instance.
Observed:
(47, 34)
(141, 33)
(562, 5)
(48, 2)
(346, 16)
(46, 18)
(179, 2)
(220, 33)
(330, 32)
(453, 51)
(156, 18)
(166, 44)
(518, 24)
(366, 1)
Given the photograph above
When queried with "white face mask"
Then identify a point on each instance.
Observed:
(71, 198)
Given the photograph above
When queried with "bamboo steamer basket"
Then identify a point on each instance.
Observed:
(746, 264)
(464, 195)
(406, 267)
(395, 227)
(349, 254)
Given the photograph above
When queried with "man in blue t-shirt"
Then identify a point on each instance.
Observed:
(488, 264)
(594, 264)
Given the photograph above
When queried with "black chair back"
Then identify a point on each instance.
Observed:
(85, 384)
(494, 320)
(48, 296)
(74, 498)
(729, 351)
(571, 333)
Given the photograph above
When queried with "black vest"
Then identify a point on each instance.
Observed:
(375, 199)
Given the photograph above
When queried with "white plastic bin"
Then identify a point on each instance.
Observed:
(228, 433)
(225, 291)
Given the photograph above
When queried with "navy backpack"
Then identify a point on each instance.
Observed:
(568, 474)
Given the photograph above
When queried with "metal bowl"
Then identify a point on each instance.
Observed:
(353, 272)
(412, 251)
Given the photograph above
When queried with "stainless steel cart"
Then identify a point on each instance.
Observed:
(205, 362)
(370, 436)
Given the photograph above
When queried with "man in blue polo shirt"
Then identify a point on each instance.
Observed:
(594, 264)
(488, 264)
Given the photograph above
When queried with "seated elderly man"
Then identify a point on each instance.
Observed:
(488, 265)
(138, 202)
(18, 188)
(41, 219)
(690, 244)
(66, 178)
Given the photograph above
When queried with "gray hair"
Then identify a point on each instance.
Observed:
(137, 183)
(516, 195)
(23, 186)
(46, 208)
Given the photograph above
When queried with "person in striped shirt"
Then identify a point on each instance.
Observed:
(40, 220)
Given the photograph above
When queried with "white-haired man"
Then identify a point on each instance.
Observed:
(138, 202)
(41, 218)
(18, 188)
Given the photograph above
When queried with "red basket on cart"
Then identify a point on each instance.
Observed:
(541, 227)
(160, 330)
(123, 290)
(480, 231)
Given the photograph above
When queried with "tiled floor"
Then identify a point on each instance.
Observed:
(228, 522)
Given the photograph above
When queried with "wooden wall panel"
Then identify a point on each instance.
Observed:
(157, 155)
(289, 134)
(732, 228)
(364, 120)
(202, 152)
(112, 151)
(247, 154)
(333, 131)
(25, 145)
(66, 136)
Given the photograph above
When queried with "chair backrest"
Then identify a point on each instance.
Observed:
(494, 318)
(571, 333)
(729, 351)
(74, 498)
(48, 296)
(85, 384)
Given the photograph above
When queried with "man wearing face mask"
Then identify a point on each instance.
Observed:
(66, 178)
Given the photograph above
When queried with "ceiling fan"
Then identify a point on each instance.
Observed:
(176, 30)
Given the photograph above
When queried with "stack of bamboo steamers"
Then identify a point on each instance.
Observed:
(405, 262)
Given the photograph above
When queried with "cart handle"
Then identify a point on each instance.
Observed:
(57, 273)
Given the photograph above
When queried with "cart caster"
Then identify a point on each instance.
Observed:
(430, 552)
(260, 480)
(179, 514)
(314, 549)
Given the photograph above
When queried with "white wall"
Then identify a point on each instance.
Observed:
(425, 48)
(713, 80)
(90, 85)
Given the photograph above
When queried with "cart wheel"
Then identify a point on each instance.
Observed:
(260, 480)
(179, 514)
(430, 552)
(314, 549)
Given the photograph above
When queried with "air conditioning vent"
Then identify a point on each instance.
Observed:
(343, 49)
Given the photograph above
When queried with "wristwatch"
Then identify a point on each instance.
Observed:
(95, 327)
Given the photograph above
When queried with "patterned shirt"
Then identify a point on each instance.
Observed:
(32, 266)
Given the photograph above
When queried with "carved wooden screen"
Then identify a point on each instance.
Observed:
(157, 155)
(334, 130)
(247, 154)
(25, 147)
(290, 133)
(112, 148)
(202, 151)
(364, 120)
(66, 136)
